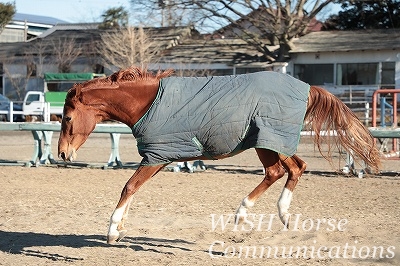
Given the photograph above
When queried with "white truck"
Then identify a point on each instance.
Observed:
(51, 100)
(38, 103)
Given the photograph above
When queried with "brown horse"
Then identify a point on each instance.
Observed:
(128, 95)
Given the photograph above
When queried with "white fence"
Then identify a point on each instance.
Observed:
(356, 97)
(11, 112)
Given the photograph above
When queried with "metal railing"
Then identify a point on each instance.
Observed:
(383, 105)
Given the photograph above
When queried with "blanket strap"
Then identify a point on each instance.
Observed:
(201, 148)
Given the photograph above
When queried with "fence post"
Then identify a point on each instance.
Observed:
(46, 112)
(383, 111)
(367, 114)
(351, 94)
(11, 112)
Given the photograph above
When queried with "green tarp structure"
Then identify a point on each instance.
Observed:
(64, 81)
(69, 77)
(55, 98)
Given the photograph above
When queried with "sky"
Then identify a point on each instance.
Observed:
(78, 11)
(74, 11)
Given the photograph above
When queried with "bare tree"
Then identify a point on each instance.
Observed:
(125, 47)
(187, 72)
(66, 51)
(19, 81)
(164, 13)
(261, 23)
(39, 49)
(89, 52)
(20, 71)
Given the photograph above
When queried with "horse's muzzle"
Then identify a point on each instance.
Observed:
(67, 157)
(62, 156)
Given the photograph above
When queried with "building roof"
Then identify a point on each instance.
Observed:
(66, 28)
(25, 26)
(37, 19)
(229, 51)
(88, 34)
(184, 45)
(179, 45)
(344, 41)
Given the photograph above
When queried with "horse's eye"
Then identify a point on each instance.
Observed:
(67, 118)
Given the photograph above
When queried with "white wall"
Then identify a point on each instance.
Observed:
(348, 57)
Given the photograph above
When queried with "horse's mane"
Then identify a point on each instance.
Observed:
(130, 75)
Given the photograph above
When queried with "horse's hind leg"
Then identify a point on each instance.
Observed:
(273, 171)
(295, 168)
(116, 229)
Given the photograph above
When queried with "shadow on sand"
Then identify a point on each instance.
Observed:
(27, 243)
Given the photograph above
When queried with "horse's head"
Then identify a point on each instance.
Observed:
(79, 120)
(94, 101)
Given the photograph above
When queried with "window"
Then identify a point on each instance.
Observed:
(388, 74)
(32, 98)
(314, 74)
(60, 86)
(357, 74)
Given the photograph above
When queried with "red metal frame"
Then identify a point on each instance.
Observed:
(374, 104)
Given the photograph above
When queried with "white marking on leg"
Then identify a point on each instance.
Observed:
(283, 205)
(242, 210)
(115, 219)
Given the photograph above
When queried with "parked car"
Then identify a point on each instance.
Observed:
(5, 106)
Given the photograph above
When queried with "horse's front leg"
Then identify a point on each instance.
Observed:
(116, 230)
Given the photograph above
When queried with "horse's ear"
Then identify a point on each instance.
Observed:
(72, 93)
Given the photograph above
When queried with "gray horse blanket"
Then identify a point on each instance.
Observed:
(222, 115)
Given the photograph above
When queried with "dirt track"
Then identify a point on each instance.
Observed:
(59, 216)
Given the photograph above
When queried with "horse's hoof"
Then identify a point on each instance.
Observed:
(122, 234)
(111, 239)
(239, 219)
(285, 219)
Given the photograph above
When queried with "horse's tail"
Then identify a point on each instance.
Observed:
(327, 112)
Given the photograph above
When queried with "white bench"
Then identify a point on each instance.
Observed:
(44, 132)
(376, 132)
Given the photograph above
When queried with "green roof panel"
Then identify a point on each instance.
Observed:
(57, 77)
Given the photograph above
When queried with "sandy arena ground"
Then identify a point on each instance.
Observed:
(53, 215)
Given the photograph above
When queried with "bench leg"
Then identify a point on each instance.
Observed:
(114, 157)
(350, 168)
(37, 148)
(47, 154)
(40, 156)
